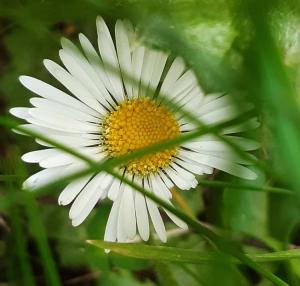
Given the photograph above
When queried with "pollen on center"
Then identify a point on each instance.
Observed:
(136, 124)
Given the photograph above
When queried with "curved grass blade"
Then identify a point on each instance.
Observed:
(248, 187)
(180, 255)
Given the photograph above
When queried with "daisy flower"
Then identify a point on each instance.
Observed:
(103, 114)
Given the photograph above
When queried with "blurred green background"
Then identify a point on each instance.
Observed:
(234, 46)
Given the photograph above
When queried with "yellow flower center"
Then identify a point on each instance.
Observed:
(136, 124)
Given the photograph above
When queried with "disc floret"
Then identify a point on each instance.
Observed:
(136, 124)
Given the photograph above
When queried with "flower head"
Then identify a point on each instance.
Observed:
(113, 106)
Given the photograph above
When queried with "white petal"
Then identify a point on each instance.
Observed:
(112, 222)
(124, 55)
(185, 83)
(37, 156)
(58, 108)
(44, 177)
(244, 143)
(96, 196)
(186, 157)
(157, 220)
(158, 191)
(109, 58)
(212, 143)
(73, 85)
(72, 190)
(83, 72)
(190, 99)
(62, 158)
(137, 64)
(43, 117)
(173, 74)
(159, 188)
(207, 145)
(96, 63)
(187, 175)
(83, 199)
(224, 165)
(178, 180)
(177, 220)
(220, 115)
(147, 69)
(121, 234)
(72, 141)
(20, 112)
(128, 215)
(215, 104)
(166, 180)
(142, 216)
(49, 92)
(39, 130)
(245, 126)
(211, 97)
(159, 64)
(115, 189)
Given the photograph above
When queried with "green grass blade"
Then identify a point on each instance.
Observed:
(39, 232)
(20, 248)
(180, 255)
(7, 178)
(245, 187)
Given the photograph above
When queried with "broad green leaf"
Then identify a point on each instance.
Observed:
(245, 211)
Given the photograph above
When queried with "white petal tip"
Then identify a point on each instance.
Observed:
(46, 62)
(64, 41)
(63, 203)
(12, 111)
(81, 37)
(163, 239)
(184, 226)
(22, 78)
(76, 223)
(252, 177)
(25, 158)
(99, 19)
(145, 237)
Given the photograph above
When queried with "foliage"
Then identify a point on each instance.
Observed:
(241, 233)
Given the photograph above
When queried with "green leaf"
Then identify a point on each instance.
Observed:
(181, 255)
(244, 211)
